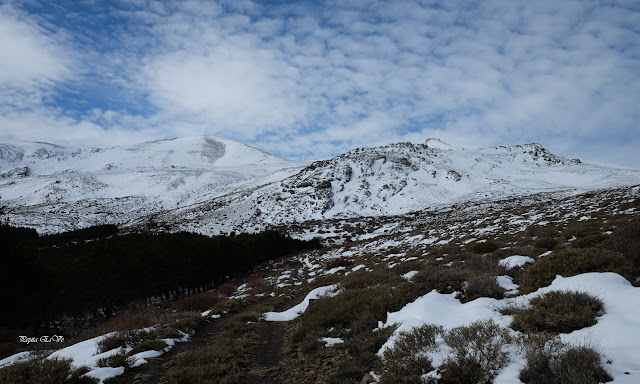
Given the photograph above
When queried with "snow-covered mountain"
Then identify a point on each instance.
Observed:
(53, 188)
(214, 185)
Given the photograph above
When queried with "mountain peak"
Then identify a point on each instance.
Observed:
(434, 142)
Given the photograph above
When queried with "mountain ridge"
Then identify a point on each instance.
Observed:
(214, 185)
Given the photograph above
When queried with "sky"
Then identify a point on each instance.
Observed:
(313, 79)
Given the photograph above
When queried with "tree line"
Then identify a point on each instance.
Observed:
(98, 270)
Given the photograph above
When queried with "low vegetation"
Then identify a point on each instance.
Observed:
(549, 361)
(45, 371)
(571, 262)
(558, 312)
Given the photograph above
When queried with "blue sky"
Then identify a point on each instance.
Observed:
(313, 79)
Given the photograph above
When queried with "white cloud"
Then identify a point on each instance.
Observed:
(32, 60)
(314, 80)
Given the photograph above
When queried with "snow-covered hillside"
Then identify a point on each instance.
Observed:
(397, 179)
(214, 185)
(54, 188)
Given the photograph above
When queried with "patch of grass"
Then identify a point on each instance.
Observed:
(572, 262)
(252, 316)
(477, 353)
(44, 371)
(407, 361)
(558, 312)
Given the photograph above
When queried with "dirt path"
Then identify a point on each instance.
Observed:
(155, 370)
(266, 356)
(264, 359)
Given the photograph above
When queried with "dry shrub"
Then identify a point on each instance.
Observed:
(626, 240)
(44, 371)
(198, 301)
(570, 263)
(482, 285)
(477, 353)
(558, 312)
(407, 360)
(339, 262)
(227, 289)
(549, 361)
(485, 247)
(258, 284)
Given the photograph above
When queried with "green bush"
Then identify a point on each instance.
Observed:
(406, 361)
(570, 263)
(44, 371)
(558, 312)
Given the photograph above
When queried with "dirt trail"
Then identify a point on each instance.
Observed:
(266, 355)
(264, 364)
(154, 372)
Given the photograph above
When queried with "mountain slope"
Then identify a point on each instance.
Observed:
(54, 188)
(213, 185)
(397, 179)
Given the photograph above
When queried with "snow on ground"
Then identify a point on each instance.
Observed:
(616, 332)
(409, 275)
(507, 283)
(515, 261)
(295, 311)
(85, 353)
(15, 358)
(329, 341)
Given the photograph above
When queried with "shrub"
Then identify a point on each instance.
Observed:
(227, 289)
(485, 247)
(626, 240)
(589, 241)
(483, 285)
(407, 361)
(558, 312)
(258, 284)
(190, 323)
(197, 301)
(125, 339)
(119, 359)
(580, 365)
(477, 353)
(148, 345)
(44, 371)
(572, 262)
(549, 361)
(548, 243)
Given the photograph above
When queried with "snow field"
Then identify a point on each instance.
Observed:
(616, 332)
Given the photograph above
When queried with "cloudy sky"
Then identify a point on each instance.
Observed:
(313, 79)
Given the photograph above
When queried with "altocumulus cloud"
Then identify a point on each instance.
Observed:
(314, 79)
